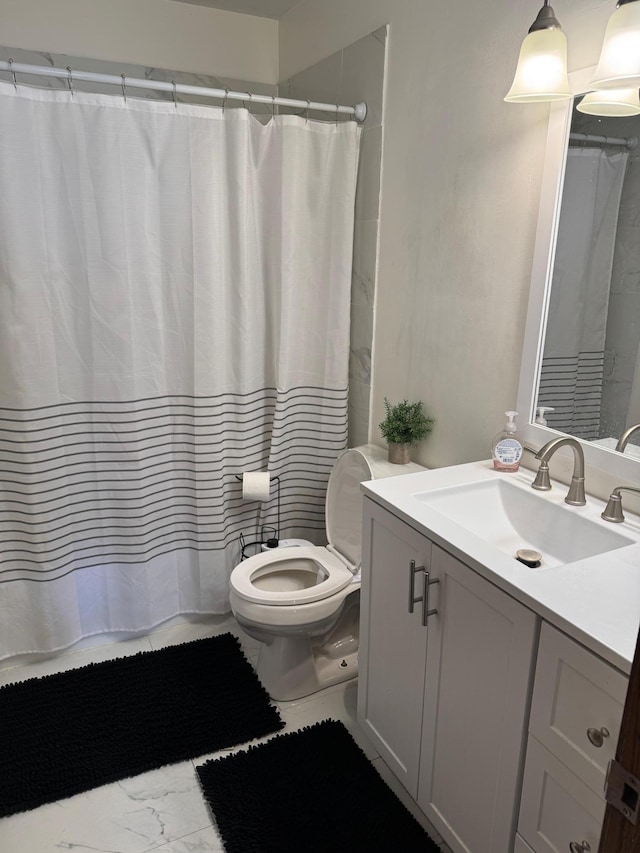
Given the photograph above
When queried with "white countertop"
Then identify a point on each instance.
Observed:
(595, 600)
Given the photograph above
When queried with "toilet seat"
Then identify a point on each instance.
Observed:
(303, 575)
(294, 576)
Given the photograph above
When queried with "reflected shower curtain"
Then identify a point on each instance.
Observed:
(174, 310)
(573, 362)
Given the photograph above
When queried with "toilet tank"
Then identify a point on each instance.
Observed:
(344, 498)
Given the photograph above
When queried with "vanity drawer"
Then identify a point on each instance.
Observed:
(577, 699)
(557, 809)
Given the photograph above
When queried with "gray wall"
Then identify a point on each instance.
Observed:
(354, 74)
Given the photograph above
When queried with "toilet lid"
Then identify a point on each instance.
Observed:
(290, 576)
(344, 496)
(344, 505)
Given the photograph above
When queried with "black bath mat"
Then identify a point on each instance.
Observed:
(313, 791)
(72, 731)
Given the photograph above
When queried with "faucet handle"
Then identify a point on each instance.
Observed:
(542, 481)
(613, 510)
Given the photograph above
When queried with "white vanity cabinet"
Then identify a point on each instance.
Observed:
(576, 712)
(445, 704)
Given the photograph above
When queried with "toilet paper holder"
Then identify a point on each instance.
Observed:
(270, 541)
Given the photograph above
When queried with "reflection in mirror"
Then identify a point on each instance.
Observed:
(590, 376)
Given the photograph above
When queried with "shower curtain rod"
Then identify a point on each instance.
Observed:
(357, 112)
(626, 142)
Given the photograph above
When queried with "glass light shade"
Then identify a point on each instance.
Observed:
(541, 74)
(611, 102)
(619, 65)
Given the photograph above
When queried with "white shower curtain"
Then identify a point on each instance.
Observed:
(573, 362)
(174, 310)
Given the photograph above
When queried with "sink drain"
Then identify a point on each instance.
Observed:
(529, 557)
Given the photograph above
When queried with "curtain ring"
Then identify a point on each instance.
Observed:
(124, 87)
(306, 112)
(13, 74)
(224, 100)
(175, 99)
(337, 114)
(244, 103)
(273, 106)
(70, 79)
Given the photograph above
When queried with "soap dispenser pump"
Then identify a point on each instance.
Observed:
(506, 449)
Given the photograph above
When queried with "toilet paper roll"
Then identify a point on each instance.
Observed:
(256, 486)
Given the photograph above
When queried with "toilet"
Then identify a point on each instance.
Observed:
(303, 603)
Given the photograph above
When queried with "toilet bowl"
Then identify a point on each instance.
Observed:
(303, 603)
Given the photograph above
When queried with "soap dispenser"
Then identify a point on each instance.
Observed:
(506, 449)
(542, 411)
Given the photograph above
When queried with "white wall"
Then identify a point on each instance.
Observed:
(157, 33)
(460, 190)
(353, 74)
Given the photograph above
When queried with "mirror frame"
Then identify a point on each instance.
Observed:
(534, 435)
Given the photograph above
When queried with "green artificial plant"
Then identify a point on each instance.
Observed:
(405, 423)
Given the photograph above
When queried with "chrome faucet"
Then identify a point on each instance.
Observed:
(624, 438)
(575, 495)
(613, 510)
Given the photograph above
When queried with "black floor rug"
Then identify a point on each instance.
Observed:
(68, 732)
(312, 791)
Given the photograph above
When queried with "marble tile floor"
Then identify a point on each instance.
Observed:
(162, 810)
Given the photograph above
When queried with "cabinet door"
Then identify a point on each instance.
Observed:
(393, 642)
(478, 676)
(521, 846)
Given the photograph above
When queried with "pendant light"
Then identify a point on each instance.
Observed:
(619, 65)
(541, 74)
(611, 102)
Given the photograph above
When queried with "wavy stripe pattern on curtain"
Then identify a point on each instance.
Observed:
(174, 310)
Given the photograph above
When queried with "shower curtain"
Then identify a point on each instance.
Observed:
(174, 311)
(573, 361)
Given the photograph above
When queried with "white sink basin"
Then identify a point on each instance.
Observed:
(512, 518)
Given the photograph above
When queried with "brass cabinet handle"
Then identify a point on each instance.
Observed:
(424, 598)
(597, 736)
(576, 847)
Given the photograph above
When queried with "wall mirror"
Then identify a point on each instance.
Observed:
(581, 357)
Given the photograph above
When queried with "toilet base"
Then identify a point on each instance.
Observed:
(291, 667)
(289, 670)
